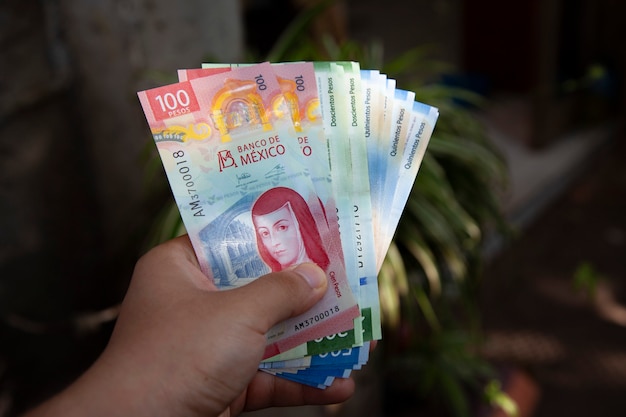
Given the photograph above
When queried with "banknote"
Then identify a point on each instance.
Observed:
(423, 120)
(333, 342)
(321, 382)
(237, 173)
(321, 378)
(343, 112)
(300, 74)
(351, 146)
(298, 85)
(354, 357)
(373, 84)
(329, 83)
(362, 211)
(395, 138)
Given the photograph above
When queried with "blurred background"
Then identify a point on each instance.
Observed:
(539, 85)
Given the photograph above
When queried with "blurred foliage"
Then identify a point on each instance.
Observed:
(429, 280)
(496, 398)
(586, 279)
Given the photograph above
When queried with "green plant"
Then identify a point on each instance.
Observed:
(438, 252)
(586, 279)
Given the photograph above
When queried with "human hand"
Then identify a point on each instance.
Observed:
(180, 347)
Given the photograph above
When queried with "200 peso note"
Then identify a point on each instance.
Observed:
(239, 178)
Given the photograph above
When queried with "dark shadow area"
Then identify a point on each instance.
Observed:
(534, 315)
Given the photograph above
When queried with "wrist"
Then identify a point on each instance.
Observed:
(107, 388)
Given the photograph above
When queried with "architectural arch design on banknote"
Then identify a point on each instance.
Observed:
(229, 245)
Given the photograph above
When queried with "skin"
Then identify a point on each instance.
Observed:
(279, 235)
(181, 348)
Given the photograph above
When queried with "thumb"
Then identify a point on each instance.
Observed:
(280, 295)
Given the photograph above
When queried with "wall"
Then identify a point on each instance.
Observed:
(76, 197)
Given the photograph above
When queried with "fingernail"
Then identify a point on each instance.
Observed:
(312, 274)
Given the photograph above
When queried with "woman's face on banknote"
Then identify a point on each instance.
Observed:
(279, 233)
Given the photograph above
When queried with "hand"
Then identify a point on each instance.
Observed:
(182, 348)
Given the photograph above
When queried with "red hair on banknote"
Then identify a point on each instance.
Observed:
(308, 239)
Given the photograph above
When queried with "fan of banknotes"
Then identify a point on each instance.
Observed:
(275, 164)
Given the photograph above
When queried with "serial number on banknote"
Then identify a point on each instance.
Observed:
(182, 166)
(316, 318)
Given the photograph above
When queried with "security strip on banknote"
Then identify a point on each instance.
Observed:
(274, 164)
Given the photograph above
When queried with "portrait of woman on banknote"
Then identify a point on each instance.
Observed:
(286, 232)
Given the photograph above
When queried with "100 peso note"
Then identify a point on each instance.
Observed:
(239, 178)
